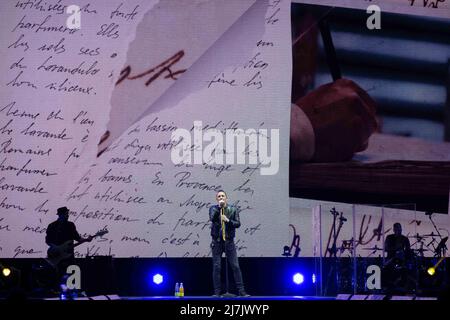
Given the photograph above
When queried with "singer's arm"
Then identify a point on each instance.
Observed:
(214, 214)
(235, 221)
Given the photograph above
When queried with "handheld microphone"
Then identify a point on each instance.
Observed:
(222, 222)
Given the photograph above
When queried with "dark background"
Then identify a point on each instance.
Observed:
(262, 276)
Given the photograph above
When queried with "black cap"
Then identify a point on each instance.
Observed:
(62, 210)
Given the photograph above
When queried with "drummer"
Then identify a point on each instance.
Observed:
(399, 274)
(397, 246)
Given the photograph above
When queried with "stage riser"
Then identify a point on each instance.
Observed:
(262, 276)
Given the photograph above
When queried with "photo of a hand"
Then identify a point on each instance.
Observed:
(342, 117)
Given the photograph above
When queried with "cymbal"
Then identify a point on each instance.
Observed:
(374, 249)
(430, 235)
(418, 236)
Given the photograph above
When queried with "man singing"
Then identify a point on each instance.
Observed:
(225, 219)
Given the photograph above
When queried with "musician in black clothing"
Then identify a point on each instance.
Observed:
(399, 253)
(397, 245)
(224, 222)
(63, 230)
(60, 236)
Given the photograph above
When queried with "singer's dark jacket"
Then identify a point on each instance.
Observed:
(230, 226)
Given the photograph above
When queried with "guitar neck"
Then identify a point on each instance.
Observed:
(98, 234)
(83, 241)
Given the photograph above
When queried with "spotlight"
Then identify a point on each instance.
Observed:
(157, 278)
(6, 272)
(431, 271)
(298, 278)
(314, 278)
(10, 278)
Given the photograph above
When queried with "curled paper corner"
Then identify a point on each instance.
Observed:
(178, 31)
(222, 56)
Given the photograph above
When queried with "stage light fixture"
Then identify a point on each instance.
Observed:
(432, 270)
(314, 279)
(158, 279)
(298, 278)
(6, 272)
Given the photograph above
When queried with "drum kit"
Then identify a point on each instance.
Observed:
(420, 242)
(404, 270)
(408, 270)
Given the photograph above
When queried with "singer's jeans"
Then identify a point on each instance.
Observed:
(217, 249)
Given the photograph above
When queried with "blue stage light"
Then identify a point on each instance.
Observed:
(298, 278)
(157, 278)
(314, 279)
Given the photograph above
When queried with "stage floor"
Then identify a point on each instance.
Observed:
(191, 298)
(246, 299)
(230, 298)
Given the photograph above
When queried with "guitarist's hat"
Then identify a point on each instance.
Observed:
(62, 210)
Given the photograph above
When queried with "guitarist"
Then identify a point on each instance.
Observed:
(58, 233)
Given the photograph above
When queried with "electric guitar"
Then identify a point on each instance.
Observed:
(55, 254)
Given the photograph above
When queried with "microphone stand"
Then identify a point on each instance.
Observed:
(441, 247)
(226, 294)
(332, 250)
(434, 225)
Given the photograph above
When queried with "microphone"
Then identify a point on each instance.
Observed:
(222, 222)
